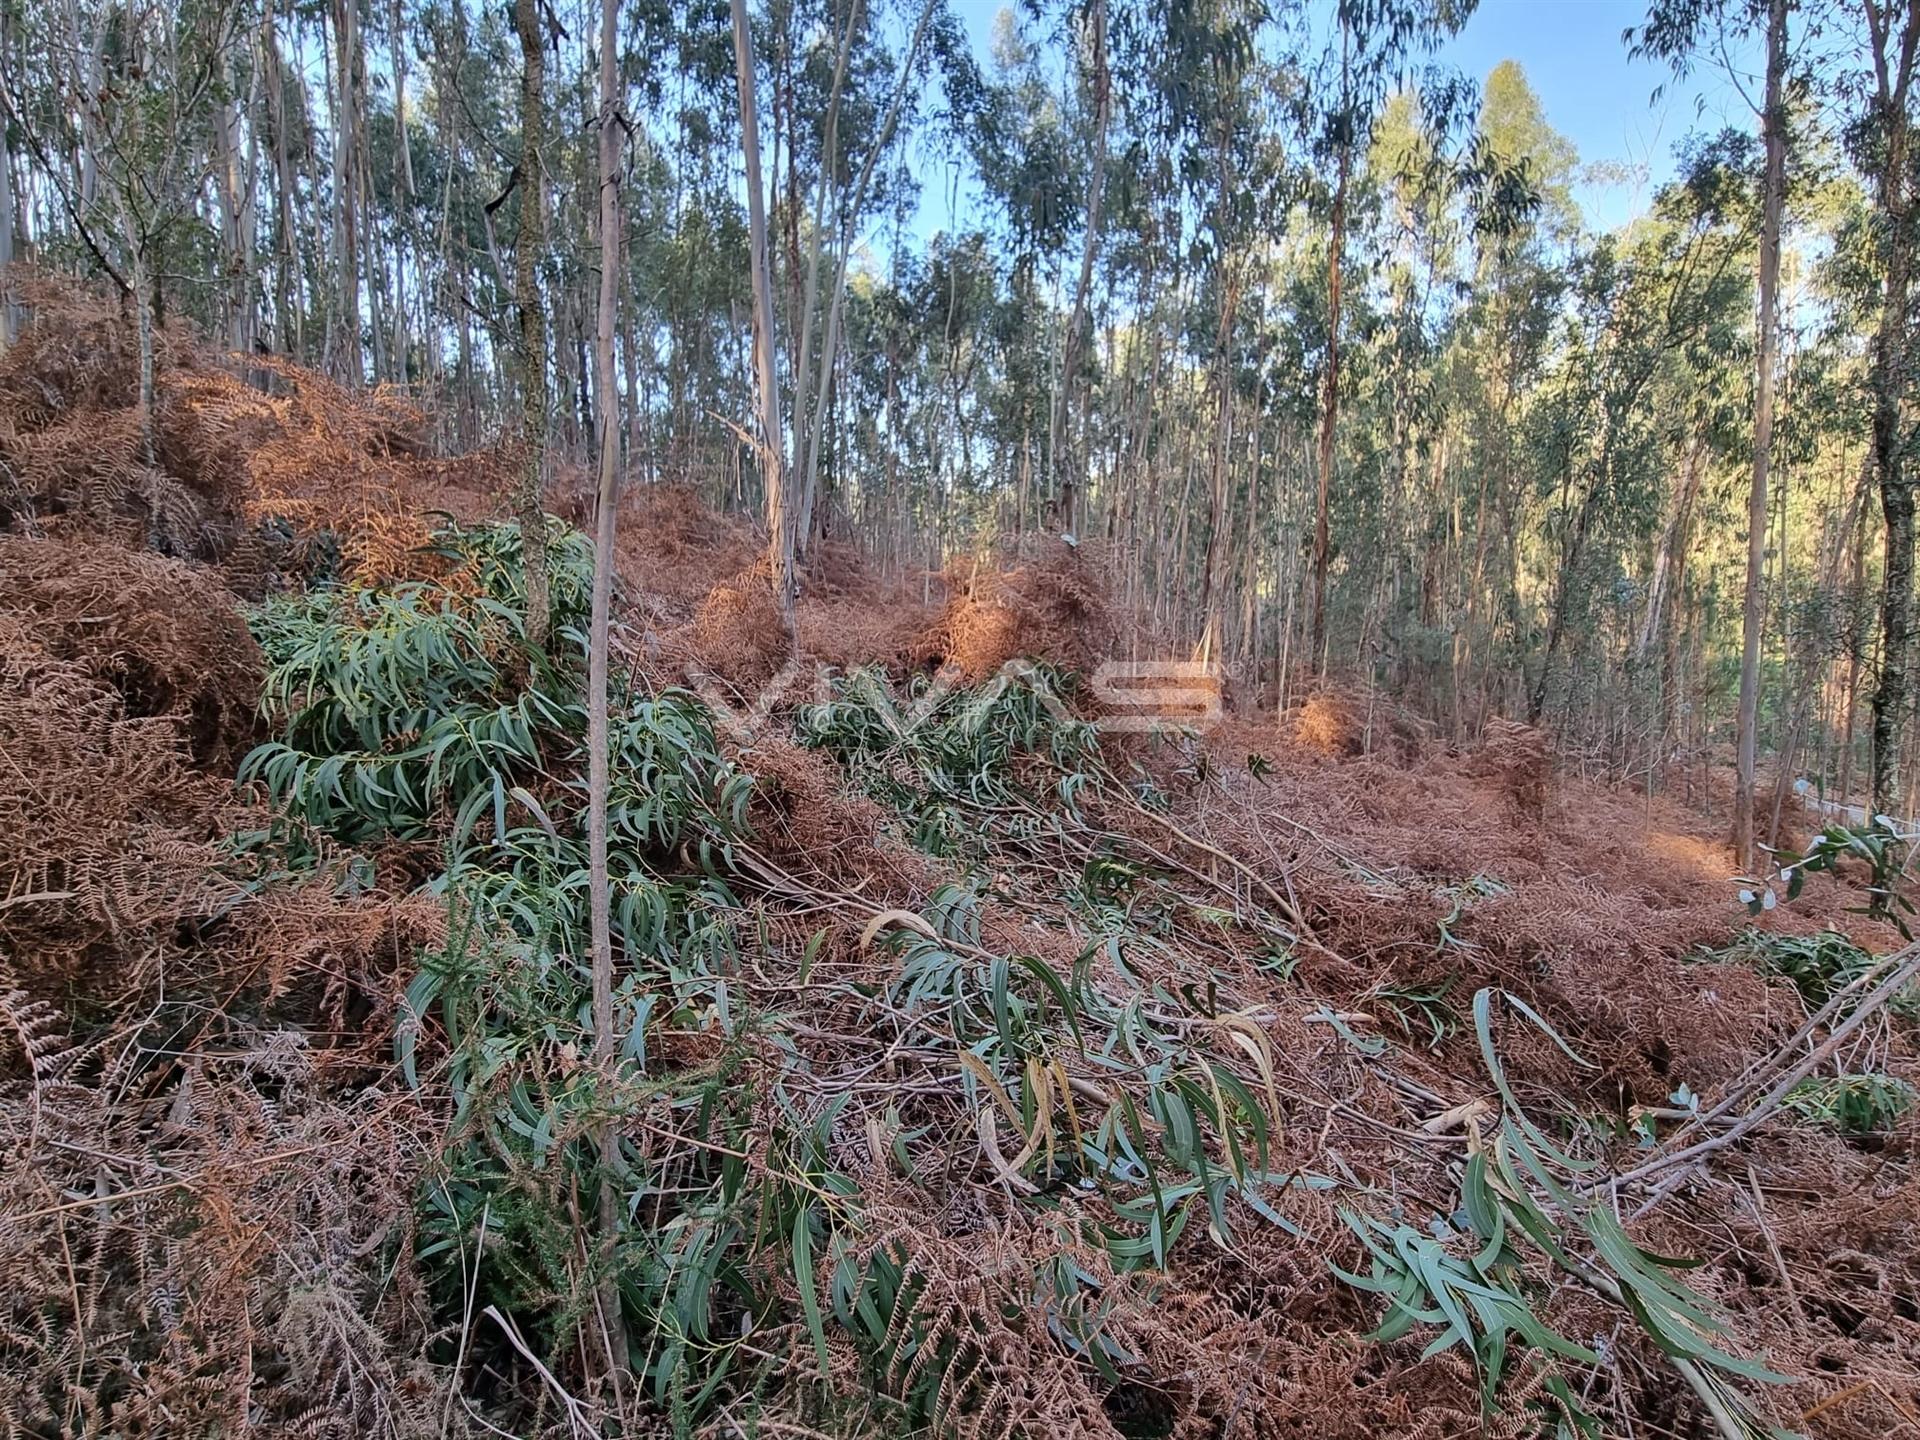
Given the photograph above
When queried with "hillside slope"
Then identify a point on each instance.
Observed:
(982, 1070)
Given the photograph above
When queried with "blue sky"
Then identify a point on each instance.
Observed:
(1593, 93)
(1597, 96)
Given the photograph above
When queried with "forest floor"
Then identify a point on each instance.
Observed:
(982, 1069)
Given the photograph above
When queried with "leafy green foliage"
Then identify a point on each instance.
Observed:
(1017, 1021)
(1005, 764)
(1877, 846)
(1461, 898)
(401, 705)
(706, 1239)
(1469, 1277)
(1471, 1283)
(418, 713)
(1819, 965)
(940, 756)
(1422, 1009)
(1855, 1105)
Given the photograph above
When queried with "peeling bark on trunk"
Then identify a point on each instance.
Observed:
(780, 537)
(144, 300)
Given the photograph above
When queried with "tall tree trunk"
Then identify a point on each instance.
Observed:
(234, 298)
(1069, 460)
(1856, 592)
(370, 271)
(1572, 556)
(9, 206)
(780, 537)
(1212, 599)
(1330, 390)
(810, 517)
(809, 295)
(1896, 623)
(403, 194)
(630, 363)
(146, 299)
(1887, 379)
(346, 189)
(288, 329)
(1670, 560)
(88, 54)
(1748, 721)
(529, 497)
(600, 900)
(1668, 585)
(402, 151)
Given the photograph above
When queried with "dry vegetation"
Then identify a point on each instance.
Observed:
(996, 1079)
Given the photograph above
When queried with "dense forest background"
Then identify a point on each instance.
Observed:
(1306, 333)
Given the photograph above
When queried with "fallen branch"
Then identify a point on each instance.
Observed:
(1768, 1104)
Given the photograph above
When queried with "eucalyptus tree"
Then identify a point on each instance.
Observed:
(813, 377)
(137, 100)
(1650, 311)
(771, 443)
(1207, 107)
(1773, 202)
(1376, 38)
(1063, 443)
(1023, 144)
(1882, 140)
(599, 666)
(529, 499)
(1223, 282)
(1505, 329)
(1421, 215)
(1674, 29)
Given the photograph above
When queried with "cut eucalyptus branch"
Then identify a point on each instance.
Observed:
(1903, 974)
